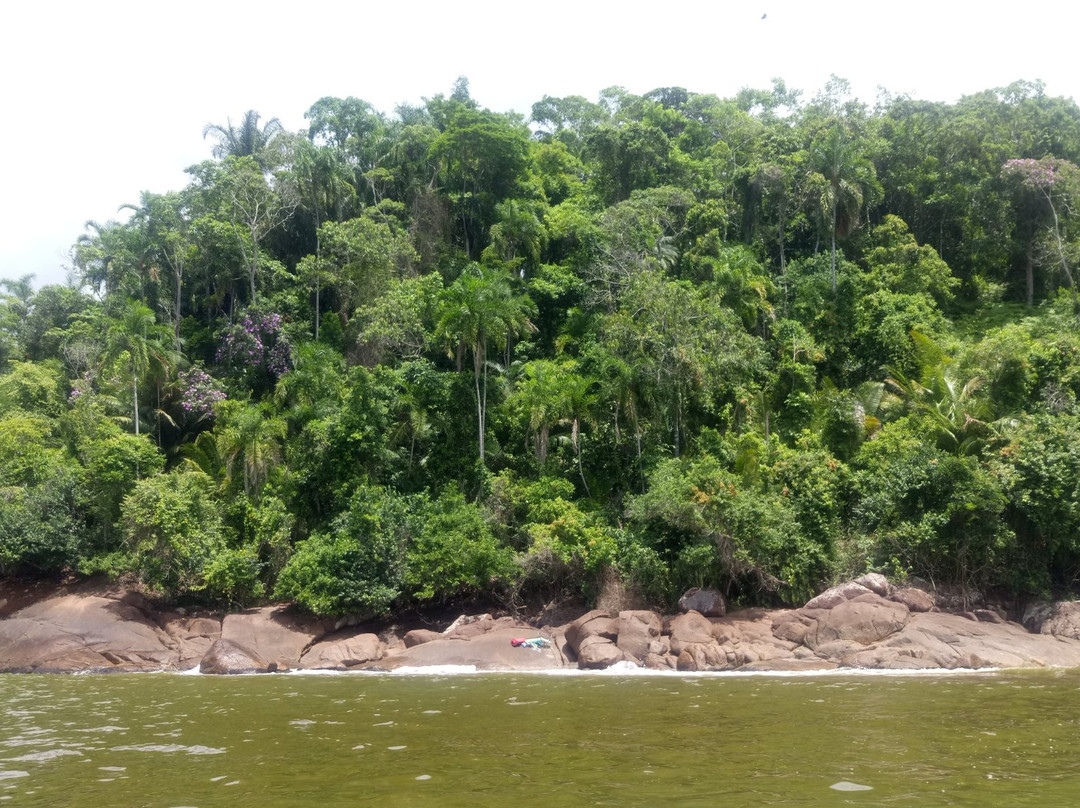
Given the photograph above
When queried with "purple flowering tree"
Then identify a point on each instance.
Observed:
(1055, 185)
(199, 392)
(256, 349)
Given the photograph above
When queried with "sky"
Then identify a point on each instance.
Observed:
(100, 101)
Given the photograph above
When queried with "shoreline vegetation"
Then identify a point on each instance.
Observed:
(407, 362)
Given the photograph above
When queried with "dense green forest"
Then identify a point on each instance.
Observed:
(632, 345)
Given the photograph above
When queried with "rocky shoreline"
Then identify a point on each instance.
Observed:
(863, 624)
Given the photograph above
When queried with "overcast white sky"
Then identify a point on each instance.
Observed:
(99, 101)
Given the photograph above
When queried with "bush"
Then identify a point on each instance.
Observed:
(715, 530)
(358, 566)
(940, 516)
(456, 552)
(174, 532)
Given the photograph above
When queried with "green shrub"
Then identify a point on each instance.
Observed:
(357, 567)
(456, 552)
(174, 532)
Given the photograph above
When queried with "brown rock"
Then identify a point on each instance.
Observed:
(988, 616)
(274, 633)
(75, 632)
(917, 600)
(1063, 620)
(638, 630)
(708, 602)
(837, 595)
(419, 636)
(726, 632)
(596, 623)
(599, 652)
(793, 626)
(345, 652)
(866, 619)
(690, 628)
(227, 657)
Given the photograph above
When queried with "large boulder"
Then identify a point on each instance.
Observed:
(691, 628)
(78, 632)
(707, 602)
(637, 632)
(598, 651)
(229, 657)
(345, 652)
(597, 623)
(1037, 614)
(1061, 619)
(865, 620)
(275, 633)
(837, 595)
(916, 600)
(419, 636)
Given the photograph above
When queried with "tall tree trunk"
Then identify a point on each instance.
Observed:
(834, 243)
(1029, 273)
(135, 396)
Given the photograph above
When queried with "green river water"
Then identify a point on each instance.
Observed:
(518, 741)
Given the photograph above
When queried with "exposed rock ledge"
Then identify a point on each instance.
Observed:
(864, 624)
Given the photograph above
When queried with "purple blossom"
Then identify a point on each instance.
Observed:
(199, 392)
(257, 342)
(1041, 174)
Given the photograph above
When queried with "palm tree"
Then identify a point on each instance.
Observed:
(251, 441)
(16, 304)
(137, 341)
(479, 311)
(247, 139)
(164, 220)
(848, 175)
(322, 181)
(960, 419)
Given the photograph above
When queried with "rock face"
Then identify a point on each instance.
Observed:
(863, 620)
(78, 631)
(280, 637)
(344, 653)
(226, 656)
(1060, 619)
(637, 632)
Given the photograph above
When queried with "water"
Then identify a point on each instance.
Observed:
(166, 740)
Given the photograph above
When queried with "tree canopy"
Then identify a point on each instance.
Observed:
(668, 340)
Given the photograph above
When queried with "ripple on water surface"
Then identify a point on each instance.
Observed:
(539, 741)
